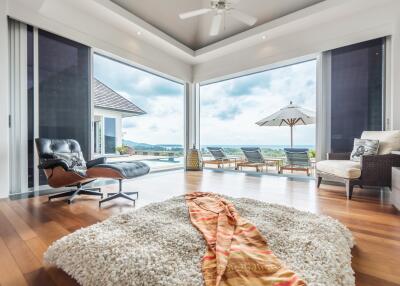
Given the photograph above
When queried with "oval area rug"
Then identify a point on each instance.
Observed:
(158, 245)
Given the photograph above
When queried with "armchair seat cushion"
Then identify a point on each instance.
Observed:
(340, 168)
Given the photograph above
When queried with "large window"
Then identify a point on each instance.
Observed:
(357, 92)
(230, 109)
(149, 124)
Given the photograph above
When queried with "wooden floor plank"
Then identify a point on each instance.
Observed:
(35, 223)
(23, 256)
(38, 247)
(39, 277)
(23, 230)
(51, 231)
(10, 275)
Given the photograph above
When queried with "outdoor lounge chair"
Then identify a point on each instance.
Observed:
(254, 158)
(296, 160)
(220, 158)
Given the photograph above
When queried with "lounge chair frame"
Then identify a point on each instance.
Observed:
(295, 166)
(220, 161)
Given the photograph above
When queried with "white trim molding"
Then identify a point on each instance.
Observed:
(323, 107)
(18, 107)
(4, 102)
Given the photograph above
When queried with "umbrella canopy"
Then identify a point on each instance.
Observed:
(289, 115)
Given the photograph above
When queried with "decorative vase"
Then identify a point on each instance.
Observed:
(194, 161)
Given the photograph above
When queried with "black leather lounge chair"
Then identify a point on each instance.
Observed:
(64, 166)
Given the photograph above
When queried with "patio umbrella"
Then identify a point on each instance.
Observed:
(290, 115)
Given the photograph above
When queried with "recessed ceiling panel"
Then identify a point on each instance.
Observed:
(195, 32)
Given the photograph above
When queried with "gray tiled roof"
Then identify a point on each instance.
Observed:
(105, 97)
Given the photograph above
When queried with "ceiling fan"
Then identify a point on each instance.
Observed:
(221, 8)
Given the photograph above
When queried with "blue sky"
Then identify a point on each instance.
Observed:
(229, 109)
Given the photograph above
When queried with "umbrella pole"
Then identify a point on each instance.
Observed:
(291, 136)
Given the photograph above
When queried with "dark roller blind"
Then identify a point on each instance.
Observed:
(64, 90)
(30, 106)
(357, 92)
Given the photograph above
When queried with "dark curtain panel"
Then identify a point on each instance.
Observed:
(64, 90)
(357, 92)
(30, 102)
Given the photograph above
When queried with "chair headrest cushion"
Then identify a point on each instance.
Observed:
(48, 147)
(296, 150)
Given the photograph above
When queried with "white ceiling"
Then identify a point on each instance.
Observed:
(194, 32)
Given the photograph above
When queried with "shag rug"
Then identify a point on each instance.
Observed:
(157, 245)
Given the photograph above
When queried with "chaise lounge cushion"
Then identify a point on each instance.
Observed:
(119, 170)
(340, 168)
(388, 140)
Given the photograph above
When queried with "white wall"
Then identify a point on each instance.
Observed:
(4, 105)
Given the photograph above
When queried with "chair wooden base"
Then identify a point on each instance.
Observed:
(78, 191)
(220, 163)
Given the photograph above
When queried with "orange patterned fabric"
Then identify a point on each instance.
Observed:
(237, 253)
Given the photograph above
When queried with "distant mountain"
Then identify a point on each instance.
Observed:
(135, 144)
(146, 146)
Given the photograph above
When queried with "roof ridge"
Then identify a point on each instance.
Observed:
(101, 91)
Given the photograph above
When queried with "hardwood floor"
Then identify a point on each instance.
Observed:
(29, 226)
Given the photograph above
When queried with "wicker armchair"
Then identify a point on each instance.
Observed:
(376, 170)
(373, 170)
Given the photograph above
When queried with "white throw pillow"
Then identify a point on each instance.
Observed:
(364, 147)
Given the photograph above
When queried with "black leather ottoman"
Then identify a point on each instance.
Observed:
(119, 171)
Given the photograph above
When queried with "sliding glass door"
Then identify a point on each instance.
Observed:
(50, 98)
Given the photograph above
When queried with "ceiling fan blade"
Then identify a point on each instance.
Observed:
(242, 17)
(216, 25)
(194, 13)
